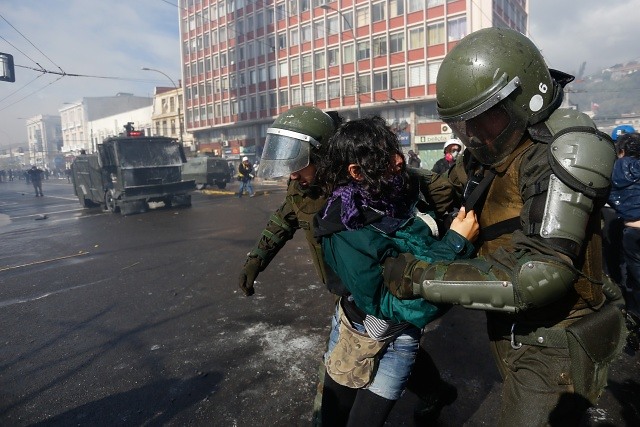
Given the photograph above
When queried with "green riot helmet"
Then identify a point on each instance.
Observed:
(491, 87)
(292, 140)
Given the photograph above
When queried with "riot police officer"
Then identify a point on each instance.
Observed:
(537, 175)
(292, 149)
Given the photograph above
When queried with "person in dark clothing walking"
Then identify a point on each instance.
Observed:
(35, 176)
(245, 174)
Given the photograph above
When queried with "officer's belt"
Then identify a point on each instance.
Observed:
(540, 337)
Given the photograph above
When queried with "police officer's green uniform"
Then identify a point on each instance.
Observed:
(541, 175)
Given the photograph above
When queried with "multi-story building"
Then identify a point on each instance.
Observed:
(113, 125)
(44, 138)
(167, 116)
(245, 62)
(76, 116)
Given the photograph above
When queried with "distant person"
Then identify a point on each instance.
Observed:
(35, 177)
(67, 173)
(246, 175)
(413, 161)
(452, 148)
(625, 199)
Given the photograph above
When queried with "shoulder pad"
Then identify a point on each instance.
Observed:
(580, 155)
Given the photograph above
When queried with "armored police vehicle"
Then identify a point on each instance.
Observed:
(130, 171)
(207, 171)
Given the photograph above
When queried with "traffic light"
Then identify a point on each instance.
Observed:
(8, 72)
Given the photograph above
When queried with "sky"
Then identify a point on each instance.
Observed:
(116, 38)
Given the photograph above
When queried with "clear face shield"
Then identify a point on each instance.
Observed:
(285, 152)
(490, 131)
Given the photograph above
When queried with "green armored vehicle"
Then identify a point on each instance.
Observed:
(206, 171)
(131, 171)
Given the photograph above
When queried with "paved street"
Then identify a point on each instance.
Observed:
(137, 320)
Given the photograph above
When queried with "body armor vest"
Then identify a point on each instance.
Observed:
(504, 202)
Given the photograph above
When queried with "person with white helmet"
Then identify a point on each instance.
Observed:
(452, 148)
(245, 175)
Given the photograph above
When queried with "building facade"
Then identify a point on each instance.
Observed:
(104, 127)
(245, 62)
(44, 138)
(167, 116)
(75, 117)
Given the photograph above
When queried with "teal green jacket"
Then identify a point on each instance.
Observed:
(357, 256)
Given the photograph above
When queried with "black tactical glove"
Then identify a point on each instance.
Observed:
(248, 275)
(397, 275)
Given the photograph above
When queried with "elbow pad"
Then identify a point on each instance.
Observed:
(479, 285)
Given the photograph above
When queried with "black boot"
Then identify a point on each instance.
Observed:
(428, 410)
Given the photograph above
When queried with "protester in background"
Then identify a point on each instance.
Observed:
(245, 175)
(371, 213)
(613, 258)
(413, 161)
(452, 149)
(625, 199)
(35, 176)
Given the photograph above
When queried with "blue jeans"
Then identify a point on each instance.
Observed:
(394, 363)
(245, 185)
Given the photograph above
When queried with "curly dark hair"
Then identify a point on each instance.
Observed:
(630, 143)
(371, 144)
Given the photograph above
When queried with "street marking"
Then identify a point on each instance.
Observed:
(12, 267)
(45, 295)
(47, 213)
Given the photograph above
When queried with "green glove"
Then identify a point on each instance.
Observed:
(248, 275)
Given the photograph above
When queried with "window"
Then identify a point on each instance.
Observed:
(364, 83)
(283, 69)
(378, 12)
(263, 102)
(396, 43)
(416, 38)
(304, 5)
(252, 77)
(433, 3)
(321, 91)
(319, 59)
(307, 94)
(333, 25)
(434, 67)
(318, 29)
(334, 89)
(280, 12)
(305, 33)
(435, 33)
(222, 31)
(294, 37)
(457, 28)
(332, 56)
(271, 74)
(283, 97)
(262, 74)
(397, 78)
(295, 66)
(347, 54)
(380, 46)
(364, 50)
(362, 16)
(273, 101)
(282, 41)
(306, 63)
(349, 86)
(380, 81)
(396, 8)
(295, 96)
(417, 75)
(415, 5)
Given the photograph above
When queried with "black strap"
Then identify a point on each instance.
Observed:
(479, 191)
(499, 228)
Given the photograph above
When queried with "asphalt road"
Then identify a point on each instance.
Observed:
(137, 320)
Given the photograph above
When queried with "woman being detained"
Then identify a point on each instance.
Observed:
(371, 214)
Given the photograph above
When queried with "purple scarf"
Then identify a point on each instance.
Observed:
(355, 198)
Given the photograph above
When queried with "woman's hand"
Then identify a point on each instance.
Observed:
(466, 224)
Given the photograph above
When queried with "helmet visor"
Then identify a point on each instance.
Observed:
(284, 152)
(491, 136)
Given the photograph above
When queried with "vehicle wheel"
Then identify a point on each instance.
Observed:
(221, 185)
(110, 202)
(200, 186)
